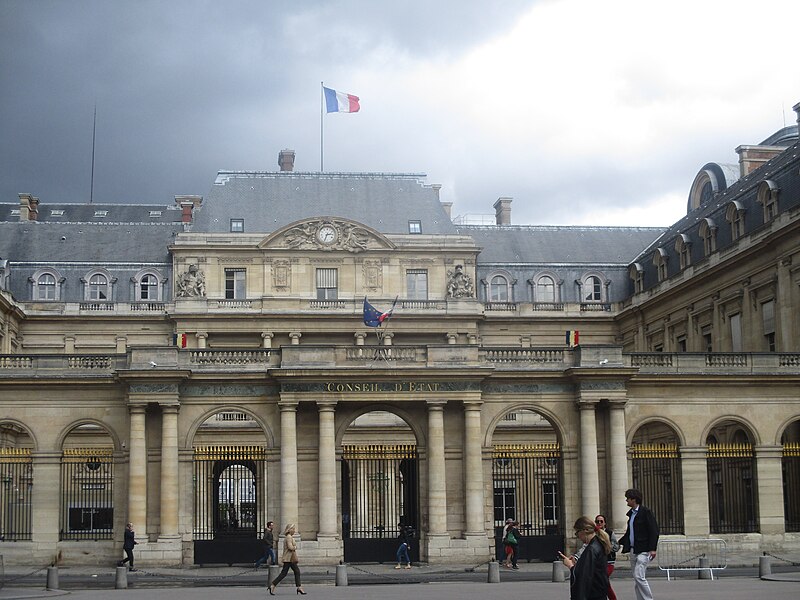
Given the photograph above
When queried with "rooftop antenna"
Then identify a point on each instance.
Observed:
(94, 131)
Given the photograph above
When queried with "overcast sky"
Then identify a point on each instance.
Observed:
(583, 111)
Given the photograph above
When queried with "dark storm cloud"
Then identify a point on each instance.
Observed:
(182, 88)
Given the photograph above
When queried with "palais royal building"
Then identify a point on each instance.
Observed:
(202, 367)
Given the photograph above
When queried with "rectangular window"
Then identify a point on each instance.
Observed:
(504, 502)
(415, 227)
(327, 284)
(235, 284)
(101, 213)
(768, 318)
(237, 225)
(681, 343)
(155, 214)
(417, 284)
(707, 343)
(736, 332)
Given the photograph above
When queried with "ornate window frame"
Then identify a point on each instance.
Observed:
(35, 281)
(536, 281)
(636, 273)
(507, 284)
(768, 199)
(661, 263)
(708, 233)
(734, 214)
(683, 246)
(87, 285)
(138, 280)
(595, 280)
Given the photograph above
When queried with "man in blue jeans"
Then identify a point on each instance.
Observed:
(269, 547)
(641, 540)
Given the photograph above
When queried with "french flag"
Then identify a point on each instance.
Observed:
(340, 102)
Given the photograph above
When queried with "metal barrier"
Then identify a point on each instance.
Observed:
(686, 555)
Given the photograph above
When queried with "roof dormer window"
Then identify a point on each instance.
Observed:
(415, 227)
(56, 213)
(100, 213)
(154, 214)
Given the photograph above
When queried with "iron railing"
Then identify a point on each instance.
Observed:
(657, 474)
(791, 485)
(87, 494)
(732, 488)
(16, 485)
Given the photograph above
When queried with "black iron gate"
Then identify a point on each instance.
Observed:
(527, 489)
(87, 494)
(791, 485)
(229, 493)
(657, 474)
(379, 491)
(732, 488)
(16, 475)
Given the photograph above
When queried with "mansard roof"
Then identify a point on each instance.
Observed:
(268, 201)
(34, 241)
(95, 213)
(509, 244)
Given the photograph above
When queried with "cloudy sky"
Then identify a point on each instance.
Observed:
(584, 112)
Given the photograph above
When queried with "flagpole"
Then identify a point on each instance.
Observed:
(321, 121)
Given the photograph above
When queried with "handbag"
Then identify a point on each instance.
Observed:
(510, 537)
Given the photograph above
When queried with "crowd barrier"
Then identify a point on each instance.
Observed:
(692, 555)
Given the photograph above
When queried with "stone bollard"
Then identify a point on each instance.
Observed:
(494, 572)
(121, 578)
(764, 566)
(559, 575)
(704, 572)
(274, 571)
(52, 578)
(341, 575)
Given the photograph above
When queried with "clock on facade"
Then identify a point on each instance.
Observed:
(326, 234)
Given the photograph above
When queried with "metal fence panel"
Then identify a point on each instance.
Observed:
(16, 485)
(657, 474)
(791, 485)
(692, 555)
(732, 488)
(87, 494)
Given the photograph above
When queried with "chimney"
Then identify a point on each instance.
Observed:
(752, 157)
(502, 211)
(25, 201)
(448, 209)
(286, 160)
(33, 214)
(796, 109)
(188, 204)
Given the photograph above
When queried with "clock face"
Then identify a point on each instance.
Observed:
(326, 234)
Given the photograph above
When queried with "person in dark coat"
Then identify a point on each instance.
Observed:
(127, 545)
(641, 540)
(404, 541)
(588, 578)
(269, 547)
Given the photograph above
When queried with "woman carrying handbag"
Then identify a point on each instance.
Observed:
(289, 559)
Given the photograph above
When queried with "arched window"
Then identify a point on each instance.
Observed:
(768, 198)
(683, 246)
(148, 288)
(46, 285)
(660, 260)
(708, 232)
(734, 214)
(98, 286)
(636, 273)
(592, 289)
(498, 289)
(545, 289)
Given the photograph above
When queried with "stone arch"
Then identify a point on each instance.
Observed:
(13, 434)
(191, 434)
(789, 430)
(653, 422)
(549, 416)
(713, 429)
(61, 440)
(400, 413)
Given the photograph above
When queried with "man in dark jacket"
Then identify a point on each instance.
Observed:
(127, 545)
(641, 540)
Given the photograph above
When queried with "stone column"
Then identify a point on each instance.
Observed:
(295, 338)
(590, 484)
(619, 466)
(169, 471)
(437, 489)
(289, 498)
(694, 473)
(266, 339)
(769, 470)
(387, 339)
(137, 470)
(452, 338)
(360, 336)
(327, 470)
(202, 338)
(785, 317)
(473, 469)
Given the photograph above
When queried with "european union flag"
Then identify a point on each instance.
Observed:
(373, 317)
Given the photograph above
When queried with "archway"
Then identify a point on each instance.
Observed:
(87, 484)
(527, 483)
(790, 440)
(656, 470)
(732, 489)
(230, 480)
(16, 483)
(380, 487)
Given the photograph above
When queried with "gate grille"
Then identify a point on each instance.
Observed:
(87, 494)
(657, 474)
(732, 488)
(16, 477)
(527, 484)
(791, 485)
(229, 491)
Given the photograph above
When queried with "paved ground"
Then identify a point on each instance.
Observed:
(379, 581)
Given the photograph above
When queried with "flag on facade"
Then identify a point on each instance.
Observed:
(340, 102)
(373, 317)
(572, 338)
(179, 340)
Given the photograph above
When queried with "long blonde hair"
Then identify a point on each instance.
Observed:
(586, 525)
(289, 527)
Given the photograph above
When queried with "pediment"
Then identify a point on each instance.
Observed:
(326, 234)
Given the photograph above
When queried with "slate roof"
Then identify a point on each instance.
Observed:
(268, 201)
(34, 241)
(87, 213)
(559, 244)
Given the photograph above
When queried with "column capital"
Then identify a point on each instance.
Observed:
(587, 404)
(436, 404)
(295, 336)
(267, 335)
(170, 407)
(326, 405)
(470, 404)
(201, 335)
(288, 405)
(137, 408)
(617, 402)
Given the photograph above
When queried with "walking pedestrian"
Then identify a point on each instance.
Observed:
(128, 543)
(641, 540)
(588, 577)
(403, 557)
(269, 547)
(511, 543)
(600, 521)
(289, 558)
